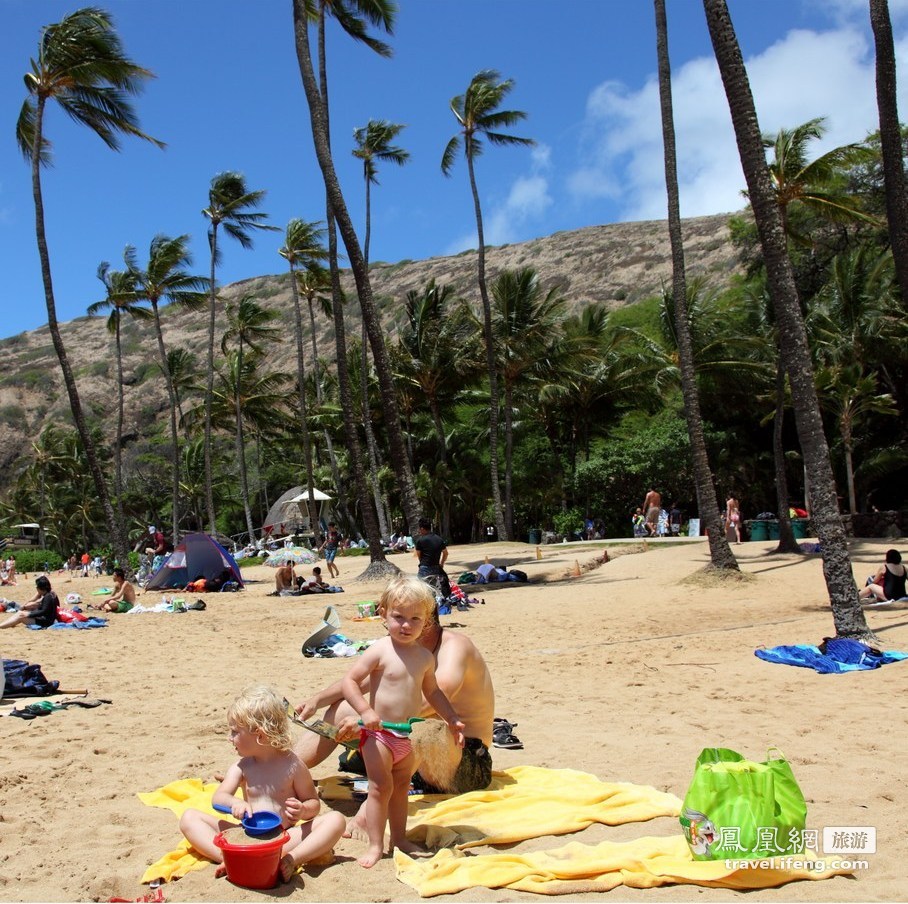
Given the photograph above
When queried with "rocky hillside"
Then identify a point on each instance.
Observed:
(616, 265)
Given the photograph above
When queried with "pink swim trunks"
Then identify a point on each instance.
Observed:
(399, 745)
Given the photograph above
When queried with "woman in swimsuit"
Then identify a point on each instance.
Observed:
(888, 583)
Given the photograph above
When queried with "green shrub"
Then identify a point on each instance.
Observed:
(34, 560)
(568, 522)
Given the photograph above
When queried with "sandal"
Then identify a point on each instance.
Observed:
(503, 737)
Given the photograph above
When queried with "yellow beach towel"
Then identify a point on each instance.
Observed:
(577, 868)
(179, 796)
(530, 801)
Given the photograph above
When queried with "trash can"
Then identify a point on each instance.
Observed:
(799, 528)
(535, 535)
(758, 530)
(773, 529)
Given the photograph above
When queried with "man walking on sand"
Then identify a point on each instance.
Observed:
(652, 505)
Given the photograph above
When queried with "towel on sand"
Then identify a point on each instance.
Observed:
(179, 796)
(578, 868)
(529, 801)
(839, 654)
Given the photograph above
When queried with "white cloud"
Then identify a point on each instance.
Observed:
(804, 75)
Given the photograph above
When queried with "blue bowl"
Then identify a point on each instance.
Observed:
(261, 823)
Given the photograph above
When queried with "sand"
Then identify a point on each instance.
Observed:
(625, 671)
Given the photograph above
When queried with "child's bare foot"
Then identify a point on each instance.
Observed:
(356, 828)
(288, 867)
(370, 858)
(220, 871)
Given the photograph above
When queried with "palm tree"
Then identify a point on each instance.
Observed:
(373, 143)
(244, 395)
(852, 397)
(317, 98)
(819, 184)
(233, 205)
(250, 324)
(303, 246)
(312, 282)
(848, 616)
(165, 279)
(121, 300)
(181, 364)
(81, 65)
(721, 556)
(525, 326)
(891, 140)
(478, 114)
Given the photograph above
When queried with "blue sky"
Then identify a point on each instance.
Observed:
(228, 96)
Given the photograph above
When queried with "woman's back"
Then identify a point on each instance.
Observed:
(894, 581)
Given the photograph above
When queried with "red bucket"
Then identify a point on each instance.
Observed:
(252, 865)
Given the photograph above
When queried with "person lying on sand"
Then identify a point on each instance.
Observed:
(272, 778)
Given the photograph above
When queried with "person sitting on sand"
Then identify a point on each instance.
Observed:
(40, 610)
(402, 673)
(315, 584)
(284, 578)
(462, 673)
(124, 596)
(271, 777)
(888, 583)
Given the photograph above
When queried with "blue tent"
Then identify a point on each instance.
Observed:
(197, 555)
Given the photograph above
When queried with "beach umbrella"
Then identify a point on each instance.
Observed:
(299, 555)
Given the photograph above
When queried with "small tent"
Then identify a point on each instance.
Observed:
(197, 554)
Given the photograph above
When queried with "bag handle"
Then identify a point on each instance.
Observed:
(773, 749)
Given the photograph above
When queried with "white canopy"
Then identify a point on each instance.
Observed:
(317, 495)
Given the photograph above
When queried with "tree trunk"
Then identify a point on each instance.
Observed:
(114, 525)
(508, 459)
(304, 411)
(209, 387)
(720, 552)
(494, 398)
(371, 444)
(241, 446)
(318, 112)
(118, 450)
(174, 436)
(320, 135)
(891, 141)
(787, 542)
(847, 614)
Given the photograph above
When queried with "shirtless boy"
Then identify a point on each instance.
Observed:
(462, 673)
(401, 672)
(124, 596)
(271, 777)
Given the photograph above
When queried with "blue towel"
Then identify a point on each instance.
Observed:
(842, 655)
(90, 623)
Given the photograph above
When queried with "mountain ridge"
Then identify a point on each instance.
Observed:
(614, 264)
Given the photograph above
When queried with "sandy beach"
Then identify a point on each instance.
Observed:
(626, 671)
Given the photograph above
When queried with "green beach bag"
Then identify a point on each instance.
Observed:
(736, 809)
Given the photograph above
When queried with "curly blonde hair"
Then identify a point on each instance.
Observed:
(261, 708)
(408, 590)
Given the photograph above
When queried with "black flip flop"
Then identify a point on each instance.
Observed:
(85, 704)
(23, 714)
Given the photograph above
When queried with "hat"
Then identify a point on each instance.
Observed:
(151, 528)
